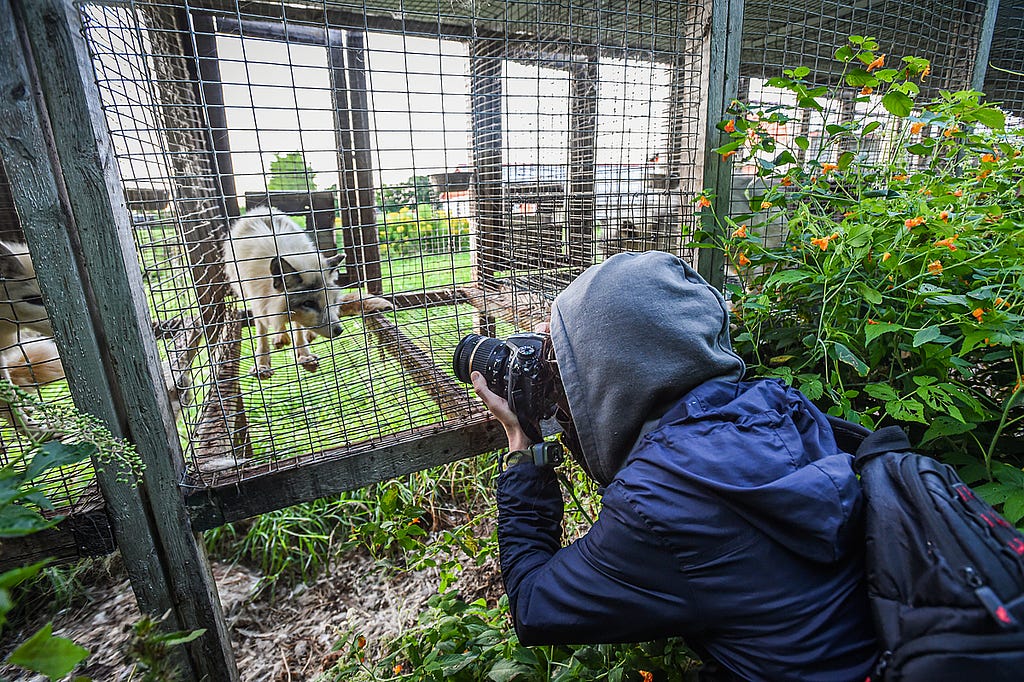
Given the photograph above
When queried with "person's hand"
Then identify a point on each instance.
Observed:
(498, 406)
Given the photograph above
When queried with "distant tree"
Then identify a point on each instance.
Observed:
(290, 172)
(409, 194)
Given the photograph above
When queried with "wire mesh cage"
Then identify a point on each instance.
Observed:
(326, 196)
(1004, 78)
(785, 36)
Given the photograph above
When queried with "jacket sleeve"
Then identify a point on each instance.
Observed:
(618, 583)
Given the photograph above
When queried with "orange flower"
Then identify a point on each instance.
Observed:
(935, 267)
(730, 127)
(913, 222)
(877, 64)
(1016, 386)
(978, 313)
(988, 158)
(916, 128)
(740, 232)
(927, 70)
(886, 256)
(901, 177)
(870, 321)
(948, 242)
(1000, 301)
(397, 669)
(646, 676)
(944, 216)
(786, 181)
(766, 204)
(866, 90)
(828, 168)
(725, 156)
(703, 201)
(743, 260)
(360, 641)
(949, 132)
(984, 174)
(822, 242)
(958, 193)
(849, 214)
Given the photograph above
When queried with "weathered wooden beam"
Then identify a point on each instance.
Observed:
(336, 474)
(524, 309)
(486, 60)
(166, 560)
(84, 533)
(723, 83)
(362, 155)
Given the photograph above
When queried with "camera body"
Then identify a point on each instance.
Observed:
(517, 368)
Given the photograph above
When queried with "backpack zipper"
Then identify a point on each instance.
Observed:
(990, 600)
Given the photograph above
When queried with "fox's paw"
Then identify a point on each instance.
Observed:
(281, 340)
(310, 363)
(375, 304)
(263, 372)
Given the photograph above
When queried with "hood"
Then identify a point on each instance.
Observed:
(632, 335)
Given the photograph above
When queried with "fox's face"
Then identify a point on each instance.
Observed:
(21, 303)
(312, 294)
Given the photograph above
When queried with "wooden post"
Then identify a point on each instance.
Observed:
(208, 75)
(65, 181)
(583, 78)
(359, 110)
(723, 77)
(349, 195)
(988, 27)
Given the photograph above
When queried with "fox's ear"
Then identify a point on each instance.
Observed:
(335, 261)
(10, 265)
(285, 276)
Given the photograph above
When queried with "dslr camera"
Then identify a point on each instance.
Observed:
(518, 368)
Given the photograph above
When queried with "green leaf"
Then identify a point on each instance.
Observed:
(57, 454)
(945, 426)
(858, 78)
(1013, 508)
(18, 521)
(897, 103)
(802, 142)
(881, 391)
(845, 159)
(505, 670)
(870, 128)
(845, 355)
(927, 335)
(870, 295)
(991, 118)
(800, 72)
(52, 656)
(873, 331)
(16, 576)
(906, 411)
(787, 277)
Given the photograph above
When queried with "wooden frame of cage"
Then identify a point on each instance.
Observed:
(70, 205)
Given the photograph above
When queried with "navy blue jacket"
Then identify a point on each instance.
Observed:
(735, 523)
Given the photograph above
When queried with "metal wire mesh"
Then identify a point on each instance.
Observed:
(1004, 79)
(466, 160)
(795, 34)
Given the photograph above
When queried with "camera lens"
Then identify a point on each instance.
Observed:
(476, 353)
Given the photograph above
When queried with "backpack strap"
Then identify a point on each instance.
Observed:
(888, 439)
(848, 435)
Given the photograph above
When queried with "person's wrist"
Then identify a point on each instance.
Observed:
(517, 440)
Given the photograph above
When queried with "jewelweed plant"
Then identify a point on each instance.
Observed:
(895, 293)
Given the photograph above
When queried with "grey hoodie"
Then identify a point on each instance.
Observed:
(632, 335)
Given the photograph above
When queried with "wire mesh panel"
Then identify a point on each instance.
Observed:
(795, 34)
(1004, 79)
(326, 196)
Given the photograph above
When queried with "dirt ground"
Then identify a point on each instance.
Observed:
(284, 639)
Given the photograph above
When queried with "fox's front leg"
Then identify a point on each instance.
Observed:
(301, 339)
(265, 327)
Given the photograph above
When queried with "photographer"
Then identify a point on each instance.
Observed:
(729, 515)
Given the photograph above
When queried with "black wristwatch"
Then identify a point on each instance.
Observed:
(545, 453)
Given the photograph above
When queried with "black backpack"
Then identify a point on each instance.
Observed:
(945, 572)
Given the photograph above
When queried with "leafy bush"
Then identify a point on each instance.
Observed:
(895, 295)
(469, 642)
(423, 230)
